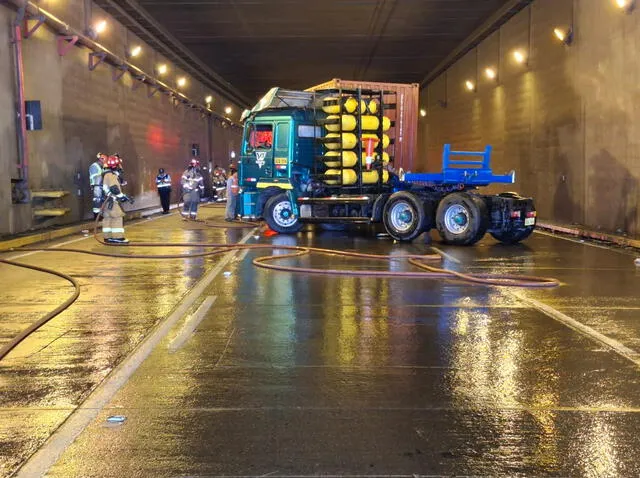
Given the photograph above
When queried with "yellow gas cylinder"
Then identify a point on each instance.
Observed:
(386, 123)
(330, 108)
(350, 105)
(369, 123)
(349, 141)
(349, 176)
(371, 177)
(332, 159)
(349, 123)
(385, 157)
(372, 107)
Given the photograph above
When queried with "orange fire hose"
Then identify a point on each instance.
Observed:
(265, 262)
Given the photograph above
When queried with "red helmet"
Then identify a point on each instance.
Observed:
(113, 162)
(194, 163)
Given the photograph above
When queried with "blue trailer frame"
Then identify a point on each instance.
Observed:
(473, 173)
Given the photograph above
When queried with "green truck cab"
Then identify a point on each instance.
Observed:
(278, 151)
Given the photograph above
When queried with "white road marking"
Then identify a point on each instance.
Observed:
(448, 256)
(583, 242)
(71, 241)
(191, 324)
(241, 257)
(40, 462)
(581, 328)
(78, 239)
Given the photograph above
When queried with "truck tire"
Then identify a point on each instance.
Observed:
(404, 216)
(513, 236)
(279, 215)
(462, 219)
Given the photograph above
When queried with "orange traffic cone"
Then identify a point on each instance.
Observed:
(268, 232)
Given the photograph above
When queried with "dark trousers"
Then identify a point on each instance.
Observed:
(165, 198)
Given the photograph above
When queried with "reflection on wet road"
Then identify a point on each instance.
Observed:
(296, 375)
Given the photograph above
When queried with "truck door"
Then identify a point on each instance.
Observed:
(282, 153)
(257, 157)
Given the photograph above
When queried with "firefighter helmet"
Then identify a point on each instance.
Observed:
(113, 162)
(194, 163)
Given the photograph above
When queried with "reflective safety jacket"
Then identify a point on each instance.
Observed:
(163, 181)
(232, 185)
(192, 180)
(95, 174)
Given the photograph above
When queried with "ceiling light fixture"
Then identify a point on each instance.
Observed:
(182, 81)
(491, 73)
(470, 85)
(627, 5)
(520, 57)
(565, 35)
(135, 51)
(100, 26)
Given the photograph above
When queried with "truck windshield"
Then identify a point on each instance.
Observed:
(260, 136)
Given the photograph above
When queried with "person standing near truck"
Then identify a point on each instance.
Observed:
(233, 190)
(163, 183)
(95, 182)
(192, 187)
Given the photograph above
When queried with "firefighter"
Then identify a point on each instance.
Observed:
(233, 189)
(95, 182)
(163, 183)
(113, 225)
(192, 187)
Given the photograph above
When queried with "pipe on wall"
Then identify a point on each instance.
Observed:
(62, 28)
(21, 125)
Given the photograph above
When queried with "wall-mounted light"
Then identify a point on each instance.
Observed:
(470, 85)
(208, 100)
(520, 57)
(564, 34)
(423, 112)
(228, 110)
(627, 5)
(134, 51)
(162, 69)
(100, 26)
(182, 81)
(491, 73)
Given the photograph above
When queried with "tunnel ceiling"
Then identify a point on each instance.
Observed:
(258, 44)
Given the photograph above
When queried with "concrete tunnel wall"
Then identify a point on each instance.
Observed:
(567, 122)
(87, 111)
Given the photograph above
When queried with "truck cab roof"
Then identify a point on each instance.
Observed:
(280, 98)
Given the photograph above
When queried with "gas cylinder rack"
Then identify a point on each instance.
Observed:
(351, 118)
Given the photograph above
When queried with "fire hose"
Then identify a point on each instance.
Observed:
(266, 262)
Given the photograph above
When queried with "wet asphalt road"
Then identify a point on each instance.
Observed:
(303, 375)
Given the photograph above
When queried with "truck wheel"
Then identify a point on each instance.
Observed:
(404, 216)
(279, 215)
(462, 219)
(514, 236)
